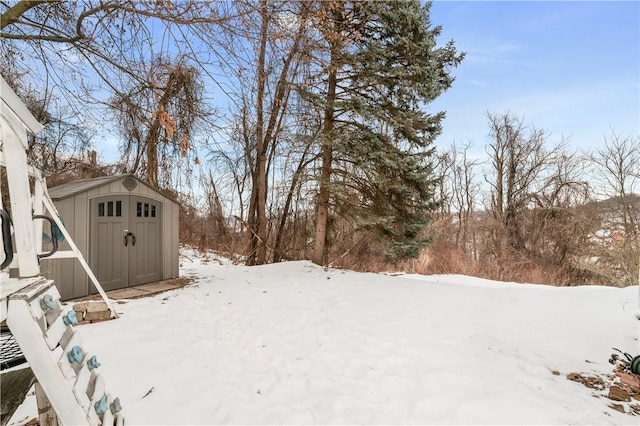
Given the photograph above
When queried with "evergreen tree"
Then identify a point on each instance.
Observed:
(384, 67)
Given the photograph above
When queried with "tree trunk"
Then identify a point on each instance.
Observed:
(257, 211)
(261, 211)
(152, 154)
(268, 127)
(251, 224)
(322, 210)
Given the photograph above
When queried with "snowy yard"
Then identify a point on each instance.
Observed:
(293, 343)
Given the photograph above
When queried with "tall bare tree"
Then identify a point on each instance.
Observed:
(616, 167)
(459, 188)
(263, 49)
(87, 51)
(162, 114)
(519, 162)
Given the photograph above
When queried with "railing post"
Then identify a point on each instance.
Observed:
(38, 209)
(46, 413)
(14, 140)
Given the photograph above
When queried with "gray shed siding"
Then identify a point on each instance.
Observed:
(73, 207)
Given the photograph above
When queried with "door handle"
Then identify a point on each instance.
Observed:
(54, 231)
(128, 234)
(6, 239)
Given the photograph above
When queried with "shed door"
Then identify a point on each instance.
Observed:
(125, 247)
(145, 255)
(108, 260)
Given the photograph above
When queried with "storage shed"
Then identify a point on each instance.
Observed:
(126, 230)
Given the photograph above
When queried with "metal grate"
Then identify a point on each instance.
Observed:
(10, 353)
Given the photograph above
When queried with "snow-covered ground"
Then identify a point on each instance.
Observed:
(293, 343)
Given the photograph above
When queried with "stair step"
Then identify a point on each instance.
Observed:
(55, 351)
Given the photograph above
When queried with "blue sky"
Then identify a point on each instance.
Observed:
(572, 68)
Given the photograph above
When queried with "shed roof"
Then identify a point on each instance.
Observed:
(70, 189)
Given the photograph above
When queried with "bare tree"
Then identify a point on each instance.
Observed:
(458, 197)
(616, 168)
(263, 50)
(87, 52)
(61, 150)
(162, 114)
(464, 189)
(558, 226)
(519, 163)
(105, 38)
(293, 190)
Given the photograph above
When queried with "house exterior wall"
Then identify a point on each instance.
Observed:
(68, 274)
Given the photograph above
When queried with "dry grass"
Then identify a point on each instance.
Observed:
(445, 258)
